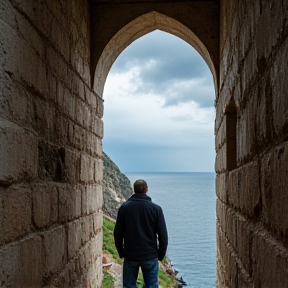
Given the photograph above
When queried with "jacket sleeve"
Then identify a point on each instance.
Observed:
(119, 233)
(162, 235)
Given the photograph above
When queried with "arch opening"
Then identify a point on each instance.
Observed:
(127, 153)
(139, 27)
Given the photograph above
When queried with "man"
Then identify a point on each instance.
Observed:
(141, 237)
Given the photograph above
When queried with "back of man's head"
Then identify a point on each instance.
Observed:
(140, 186)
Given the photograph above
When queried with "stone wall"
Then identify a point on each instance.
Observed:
(50, 147)
(252, 205)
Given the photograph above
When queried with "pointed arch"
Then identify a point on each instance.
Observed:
(138, 28)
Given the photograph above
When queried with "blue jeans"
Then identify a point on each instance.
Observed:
(149, 270)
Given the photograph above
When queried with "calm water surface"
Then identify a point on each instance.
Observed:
(188, 201)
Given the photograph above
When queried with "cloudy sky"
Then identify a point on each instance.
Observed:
(159, 108)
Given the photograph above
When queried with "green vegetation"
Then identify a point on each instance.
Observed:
(108, 280)
(165, 280)
(108, 240)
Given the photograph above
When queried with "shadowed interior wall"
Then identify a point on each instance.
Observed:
(50, 147)
(252, 205)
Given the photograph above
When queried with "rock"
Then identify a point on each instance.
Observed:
(117, 187)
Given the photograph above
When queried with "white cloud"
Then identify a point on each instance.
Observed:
(144, 114)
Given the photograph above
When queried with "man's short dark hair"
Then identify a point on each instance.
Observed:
(140, 186)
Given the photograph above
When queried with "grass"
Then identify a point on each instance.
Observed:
(108, 280)
(165, 280)
(108, 240)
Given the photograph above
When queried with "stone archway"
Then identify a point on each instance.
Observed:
(137, 28)
(50, 51)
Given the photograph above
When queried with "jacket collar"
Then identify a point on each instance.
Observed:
(140, 196)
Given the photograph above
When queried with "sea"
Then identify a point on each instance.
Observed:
(188, 201)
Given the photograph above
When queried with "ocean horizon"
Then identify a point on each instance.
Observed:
(188, 200)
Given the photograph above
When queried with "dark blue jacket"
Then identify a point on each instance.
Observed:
(140, 232)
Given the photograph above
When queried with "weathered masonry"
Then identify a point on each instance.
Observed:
(55, 56)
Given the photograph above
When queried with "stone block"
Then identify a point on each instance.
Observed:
(59, 37)
(50, 92)
(58, 67)
(69, 201)
(279, 86)
(228, 268)
(87, 169)
(9, 263)
(60, 90)
(77, 61)
(221, 160)
(72, 162)
(95, 102)
(246, 136)
(94, 145)
(19, 53)
(96, 245)
(92, 100)
(234, 229)
(60, 135)
(78, 136)
(264, 113)
(220, 108)
(51, 162)
(244, 189)
(55, 244)
(231, 228)
(74, 237)
(244, 33)
(92, 199)
(15, 212)
(95, 279)
(69, 104)
(274, 188)
(98, 170)
(18, 154)
(264, 41)
(78, 88)
(100, 107)
(220, 138)
(83, 268)
(233, 195)
(45, 204)
(16, 104)
(248, 70)
(87, 229)
(221, 187)
(243, 247)
(222, 215)
(21, 263)
(45, 115)
(83, 114)
(97, 127)
(270, 264)
(97, 221)
(250, 189)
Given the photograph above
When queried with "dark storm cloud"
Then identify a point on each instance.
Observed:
(166, 66)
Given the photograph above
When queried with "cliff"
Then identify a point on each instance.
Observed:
(116, 187)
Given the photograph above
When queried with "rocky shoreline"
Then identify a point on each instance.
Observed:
(179, 282)
(116, 187)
